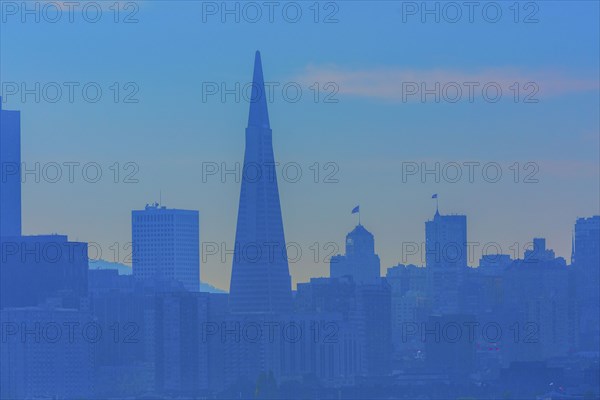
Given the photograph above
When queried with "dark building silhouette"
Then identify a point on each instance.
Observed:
(586, 264)
(166, 246)
(260, 278)
(46, 353)
(409, 305)
(328, 349)
(448, 348)
(124, 355)
(181, 354)
(360, 261)
(494, 263)
(36, 268)
(374, 326)
(525, 328)
(10, 172)
(539, 252)
(43, 296)
(587, 245)
(366, 309)
(446, 259)
(538, 298)
(327, 295)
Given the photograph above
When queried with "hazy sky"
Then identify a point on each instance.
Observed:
(365, 127)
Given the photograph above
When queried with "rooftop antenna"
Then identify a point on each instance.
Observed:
(573, 255)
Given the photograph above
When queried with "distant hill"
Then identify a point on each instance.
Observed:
(126, 270)
(103, 264)
(205, 287)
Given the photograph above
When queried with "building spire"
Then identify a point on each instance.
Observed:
(437, 205)
(259, 115)
(260, 277)
(572, 247)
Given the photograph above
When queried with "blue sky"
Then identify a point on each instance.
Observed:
(174, 49)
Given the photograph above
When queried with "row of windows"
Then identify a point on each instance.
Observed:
(164, 217)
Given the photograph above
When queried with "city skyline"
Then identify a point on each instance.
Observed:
(361, 141)
(524, 324)
(515, 249)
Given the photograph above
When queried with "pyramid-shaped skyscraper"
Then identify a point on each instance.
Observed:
(260, 279)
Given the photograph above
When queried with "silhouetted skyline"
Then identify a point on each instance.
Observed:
(367, 134)
(452, 282)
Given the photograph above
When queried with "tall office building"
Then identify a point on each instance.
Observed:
(166, 246)
(260, 279)
(374, 326)
(538, 290)
(181, 353)
(408, 286)
(446, 259)
(586, 253)
(586, 262)
(10, 172)
(360, 260)
(33, 269)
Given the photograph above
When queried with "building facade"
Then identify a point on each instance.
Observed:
(166, 246)
(446, 260)
(360, 261)
(10, 170)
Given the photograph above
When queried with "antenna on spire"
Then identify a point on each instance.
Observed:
(259, 114)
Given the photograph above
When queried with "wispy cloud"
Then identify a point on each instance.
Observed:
(399, 84)
(570, 169)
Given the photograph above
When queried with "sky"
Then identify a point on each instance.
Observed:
(349, 111)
